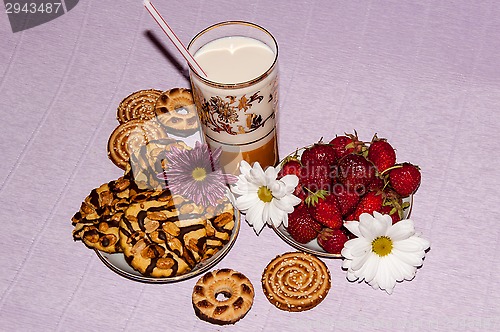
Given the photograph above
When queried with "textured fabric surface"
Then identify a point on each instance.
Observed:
(423, 74)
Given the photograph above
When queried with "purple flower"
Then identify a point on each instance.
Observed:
(196, 174)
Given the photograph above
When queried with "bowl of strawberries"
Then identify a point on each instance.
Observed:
(338, 181)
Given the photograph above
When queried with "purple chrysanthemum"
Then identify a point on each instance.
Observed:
(196, 174)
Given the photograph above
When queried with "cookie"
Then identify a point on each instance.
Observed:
(138, 105)
(296, 281)
(97, 222)
(129, 137)
(176, 111)
(238, 294)
(220, 225)
(163, 238)
(150, 160)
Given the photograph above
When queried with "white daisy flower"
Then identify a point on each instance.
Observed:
(382, 253)
(264, 198)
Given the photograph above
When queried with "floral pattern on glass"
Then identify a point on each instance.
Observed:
(230, 114)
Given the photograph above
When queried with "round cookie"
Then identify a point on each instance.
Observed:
(175, 110)
(138, 105)
(145, 165)
(237, 292)
(97, 221)
(296, 281)
(129, 137)
(163, 238)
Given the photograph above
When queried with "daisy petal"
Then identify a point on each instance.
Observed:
(359, 246)
(286, 203)
(351, 276)
(381, 223)
(291, 181)
(254, 215)
(285, 220)
(245, 202)
(271, 173)
(245, 167)
(393, 264)
(359, 261)
(265, 213)
(257, 175)
(353, 227)
(366, 226)
(412, 244)
(369, 270)
(401, 230)
(346, 264)
(426, 244)
(275, 217)
(412, 258)
(385, 279)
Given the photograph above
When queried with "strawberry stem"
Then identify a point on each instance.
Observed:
(390, 168)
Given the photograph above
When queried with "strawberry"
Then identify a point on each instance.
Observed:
(355, 172)
(301, 226)
(405, 179)
(324, 208)
(381, 154)
(315, 175)
(347, 199)
(291, 165)
(332, 240)
(319, 152)
(376, 184)
(346, 144)
(370, 202)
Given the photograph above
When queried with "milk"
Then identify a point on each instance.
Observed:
(234, 59)
(238, 99)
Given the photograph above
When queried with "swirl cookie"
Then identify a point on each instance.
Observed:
(129, 137)
(97, 221)
(237, 296)
(138, 105)
(175, 110)
(163, 238)
(296, 281)
(144, 165)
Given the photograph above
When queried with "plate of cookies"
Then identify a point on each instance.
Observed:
(143, 226)
(175, 247)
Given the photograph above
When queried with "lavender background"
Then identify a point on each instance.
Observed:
(423, 74)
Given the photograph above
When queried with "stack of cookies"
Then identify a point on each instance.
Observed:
(160, 234)
(148, 115)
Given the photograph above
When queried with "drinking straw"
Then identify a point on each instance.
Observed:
(173, 37)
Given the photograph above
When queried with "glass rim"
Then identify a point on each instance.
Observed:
(239, 84)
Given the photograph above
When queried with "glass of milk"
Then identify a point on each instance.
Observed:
(237, 101)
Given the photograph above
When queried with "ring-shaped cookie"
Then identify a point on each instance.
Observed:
(175, 110)
(222, 296)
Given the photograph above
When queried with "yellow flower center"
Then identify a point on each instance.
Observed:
(199, 174)
(382, 246)
(265, 194)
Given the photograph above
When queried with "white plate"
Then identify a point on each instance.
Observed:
(116, 262)
(312, 246)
